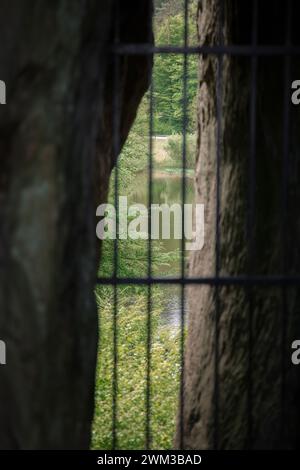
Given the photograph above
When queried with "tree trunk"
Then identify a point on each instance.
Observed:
(56, 156)
(255, 403)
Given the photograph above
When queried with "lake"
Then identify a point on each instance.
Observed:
(166, 189)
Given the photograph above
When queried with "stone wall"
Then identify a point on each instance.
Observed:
(257, 392)
(56, 156)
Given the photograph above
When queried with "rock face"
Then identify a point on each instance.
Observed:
(254, 404)
(56, 156)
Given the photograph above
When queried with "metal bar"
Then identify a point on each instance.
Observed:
(149, 292)
(116, 148)
(183, 199)
(259, 50)
(219, 96)
(259, 281)
(284, 209)
(251, 218)
(282, 281)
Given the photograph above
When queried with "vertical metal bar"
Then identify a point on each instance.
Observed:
(284, 209)
(183, 199)
(149, 296)
(116, 148)
(219, 96)
(251, 219)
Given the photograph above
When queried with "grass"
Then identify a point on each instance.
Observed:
(132, 331)
(132, 366)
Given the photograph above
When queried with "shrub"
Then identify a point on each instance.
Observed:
(174, 148)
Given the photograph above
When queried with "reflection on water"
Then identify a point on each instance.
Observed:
(171, 314)
(166, 189)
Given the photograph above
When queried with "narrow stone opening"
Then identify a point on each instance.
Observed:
(164, 126)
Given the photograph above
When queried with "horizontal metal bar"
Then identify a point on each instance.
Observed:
(263, 50)
(259, 281)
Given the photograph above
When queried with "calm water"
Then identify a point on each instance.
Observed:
(166, 188)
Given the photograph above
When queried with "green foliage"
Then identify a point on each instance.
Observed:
(167, 8)
(174, 149)
(132, 367)
(168, 77)
(133, 262)
(132, 357)
(134, 155)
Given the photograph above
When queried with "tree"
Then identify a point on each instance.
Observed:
(168, 74)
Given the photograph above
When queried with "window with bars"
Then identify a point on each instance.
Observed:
(214, 371)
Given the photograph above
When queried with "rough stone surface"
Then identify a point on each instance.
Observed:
(56, 156)
(252, 388)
